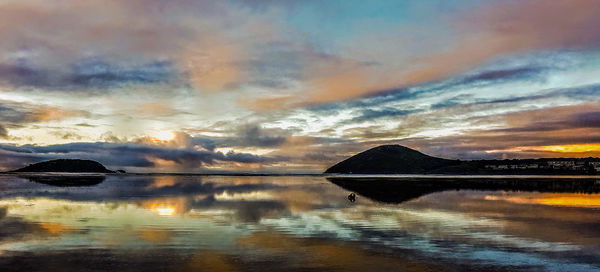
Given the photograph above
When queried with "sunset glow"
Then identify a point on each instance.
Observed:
(293, 87)
(165, 136)
(573, 148)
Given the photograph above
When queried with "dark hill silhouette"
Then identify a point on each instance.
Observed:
(397, 159)
(65, 166)
(391, 159)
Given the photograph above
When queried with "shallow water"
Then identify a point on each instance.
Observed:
(217, 223)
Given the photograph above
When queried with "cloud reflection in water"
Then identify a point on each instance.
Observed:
(226, 215)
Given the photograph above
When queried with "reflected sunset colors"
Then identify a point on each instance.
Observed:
(293, 223)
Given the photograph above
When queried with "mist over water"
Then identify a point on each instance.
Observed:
(175, 223)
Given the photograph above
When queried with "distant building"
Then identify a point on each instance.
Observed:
(573, 165)
(561, 164)
(595, 165)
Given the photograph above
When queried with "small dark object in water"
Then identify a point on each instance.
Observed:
(352, 197)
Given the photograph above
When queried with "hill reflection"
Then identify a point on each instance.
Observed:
(66, 181)
(398, 190)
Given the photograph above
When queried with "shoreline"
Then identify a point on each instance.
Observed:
(351, 176)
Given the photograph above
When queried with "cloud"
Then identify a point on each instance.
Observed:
(503, 75)
(524, 135)
(81, 46)
(101, 74)
(124, 155)
(369, 114)
(19, 113)
(158, 109)
(482, 33)
(85, 74)
(252, 135)
(514, 27)
(215, 46)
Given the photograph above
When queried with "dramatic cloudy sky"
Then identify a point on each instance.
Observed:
(294, 86)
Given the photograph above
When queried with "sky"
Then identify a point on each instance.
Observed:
(280, 86)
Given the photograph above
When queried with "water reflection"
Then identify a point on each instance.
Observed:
(75, 180)
(299, 223)
(398, 190)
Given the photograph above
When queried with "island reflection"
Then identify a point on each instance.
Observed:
(398, 190)
(66, 181)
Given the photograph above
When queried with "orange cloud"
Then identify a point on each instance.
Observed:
(270, 103)
(338, 78)
(45, 114)
(154, 109)
(513, 27)
(213, 65)
(486, 32)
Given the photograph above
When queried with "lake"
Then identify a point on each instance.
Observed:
(298, 223)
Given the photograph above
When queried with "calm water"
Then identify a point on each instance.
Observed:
(179, 223)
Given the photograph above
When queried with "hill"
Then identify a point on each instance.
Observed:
(397, 159)
(391, 159)
(65, 166)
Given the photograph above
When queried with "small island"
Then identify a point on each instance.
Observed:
(397, 159)
(65, 166)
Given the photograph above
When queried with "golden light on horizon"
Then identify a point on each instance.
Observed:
(569, 148)
(572, 148)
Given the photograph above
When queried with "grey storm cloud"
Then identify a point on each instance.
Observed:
(248, 135)
(3, 132)
(87, 73)
(253, 135)
(12, 112)
(18, 114)
(517, 73)
(573, 121)
(587, 93)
